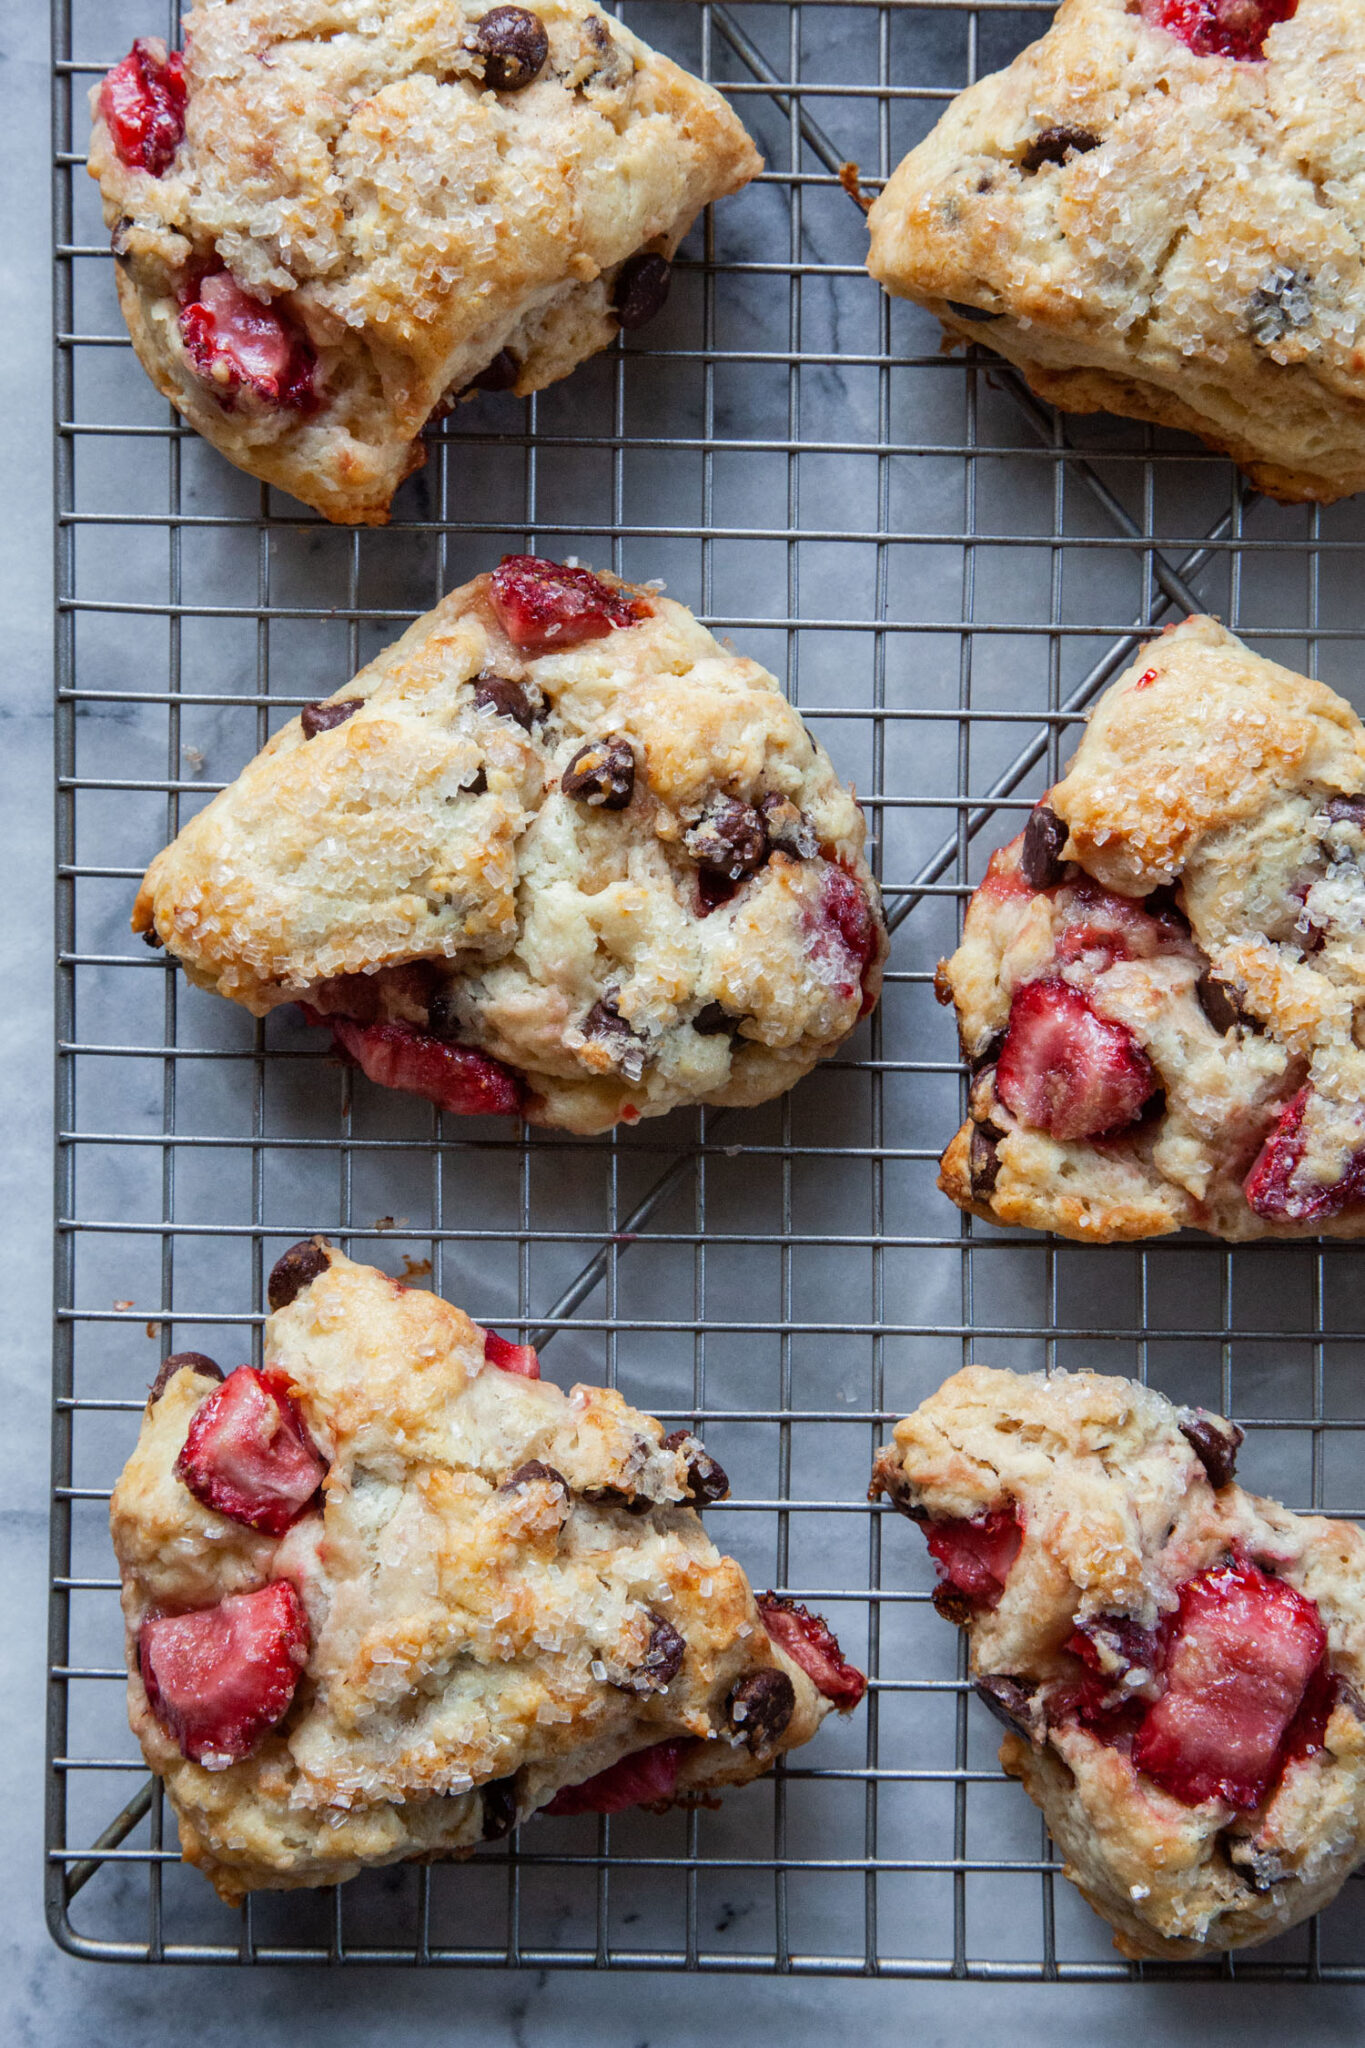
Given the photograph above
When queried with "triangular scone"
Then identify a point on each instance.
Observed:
(337, 216)
(393, 1593)
(1161, 981)
(1173, 235)
(1180, 1663)
(555, 852)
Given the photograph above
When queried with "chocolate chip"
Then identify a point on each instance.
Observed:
(442, 1019)
(712, 1019)
(1262, 1869)
(299, 1268)
(983, 1161)
(499, 375)
(1281, 304)
(760, 1707)
(662, 1661)
(1040, 857)
(195, 1360)
(989, 1053)
(499, 1808)
(966, 312)
(323, 717)
(640, 289)
(153, 939)
(1055, 145)
(952, 1605)
(706, 1480)
(943, 987)
(617, 1497)
(526, 1475)
(1347, 810)
(513, 44)
(604, 1021)
(728, 841)
(520, 702)
(788, 828)
(889, 1478)
(1011, 1700)
(1214, 1442)
(478, 786)
(602, 773)
(1218, 1000)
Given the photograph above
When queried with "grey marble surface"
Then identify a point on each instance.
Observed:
(45, 1996)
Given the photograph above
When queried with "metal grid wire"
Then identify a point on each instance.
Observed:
(945, 575)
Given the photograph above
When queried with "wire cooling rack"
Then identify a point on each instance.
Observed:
(945, 575)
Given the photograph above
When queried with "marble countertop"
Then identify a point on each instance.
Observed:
(47, 1997)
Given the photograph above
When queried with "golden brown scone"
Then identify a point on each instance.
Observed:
(1178, 1661)
(584, 879)
(394, 1593)
(1145, 225)
(1161, 981)
(339, 216)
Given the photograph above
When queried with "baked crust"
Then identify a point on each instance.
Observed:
(347, 164)
(1194, 261)
(1204, 774)
(1117, 1511)
(334, 868)
(464, 1632)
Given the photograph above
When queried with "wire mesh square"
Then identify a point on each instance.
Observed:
(945, 575)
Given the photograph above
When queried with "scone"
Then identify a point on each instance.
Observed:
(393, 1593)
(1161, 981)
(333, 218)
(1179, 1662)
(1157, 210)
(556, 853)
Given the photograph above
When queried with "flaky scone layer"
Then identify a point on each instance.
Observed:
(1156, 233)
(466, 1634)
(1219, 795)
(426, 850)
(1117, 1512)
(348, 165)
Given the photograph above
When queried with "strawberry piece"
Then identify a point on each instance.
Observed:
(218, 1678)
(1100, 927)
(508, 1357)
(454, 1077)
(248, 1454)
(975, 1557)
(543, 604)
(845, 932)
(648, 1778)
(810, 1642)
(1245, 1648)
(1066, 1070)
(142, 104)
(1220, 28)
(1275, 1189)
(235, 341)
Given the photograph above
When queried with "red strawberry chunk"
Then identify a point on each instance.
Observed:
(248, 1453)
(454, 1077)
(236, 342)
(1066, 1070)
(543, 604)
(1276, 1189)
(508, 1357)
(647, 1778)
(142, 104)
(217, 1679)
(810, 1642)
(1100, 927)
(1245, 1648)
(975, 1557)
(1219, 28)
(849, 924)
